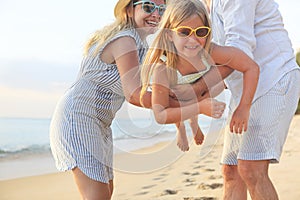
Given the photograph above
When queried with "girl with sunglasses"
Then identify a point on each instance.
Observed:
(181, 53)
(80, 133)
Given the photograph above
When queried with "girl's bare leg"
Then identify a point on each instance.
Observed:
(198, 135)
(182, 140)
(90, 189)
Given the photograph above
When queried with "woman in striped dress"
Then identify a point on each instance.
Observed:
(80, 133)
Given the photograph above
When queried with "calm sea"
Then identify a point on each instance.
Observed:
(21, 136)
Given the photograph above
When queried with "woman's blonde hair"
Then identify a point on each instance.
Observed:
(122, 21)
(177, 11)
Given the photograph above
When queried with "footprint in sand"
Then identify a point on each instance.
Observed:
(195, 174)
(190, 184)
(198, 167)
(186, 173)
(213, 186)
(157, 178)
(141, 193)
(191, 174)
(169, 192)
(189, 180)
(209, 170)
(163, 175)
(148, 186)
(212, 177)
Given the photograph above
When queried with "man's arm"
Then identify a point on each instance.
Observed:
(201, 88)
(210, 79)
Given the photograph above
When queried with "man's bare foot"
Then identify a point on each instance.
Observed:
(182, 141)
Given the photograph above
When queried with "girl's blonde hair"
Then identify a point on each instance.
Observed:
(177, 11)
(122, 21)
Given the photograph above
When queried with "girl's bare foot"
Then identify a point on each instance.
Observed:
(199, 137)
(197, 133)
(182, 141)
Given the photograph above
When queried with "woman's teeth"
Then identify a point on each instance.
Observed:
(152, 23)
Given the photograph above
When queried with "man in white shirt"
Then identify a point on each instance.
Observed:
(256, 27)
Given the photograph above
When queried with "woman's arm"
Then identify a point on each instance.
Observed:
(124, 52)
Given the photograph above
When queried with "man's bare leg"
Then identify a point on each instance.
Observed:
(234, 186)
(255, 175)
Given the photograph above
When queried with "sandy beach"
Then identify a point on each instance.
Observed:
(162, 172)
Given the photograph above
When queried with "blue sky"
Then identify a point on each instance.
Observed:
(41, 48)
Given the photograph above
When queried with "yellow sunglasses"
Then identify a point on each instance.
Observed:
(186, 31)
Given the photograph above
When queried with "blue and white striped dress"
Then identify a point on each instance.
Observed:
(80, 133)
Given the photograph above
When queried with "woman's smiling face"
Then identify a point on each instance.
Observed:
(147, 21)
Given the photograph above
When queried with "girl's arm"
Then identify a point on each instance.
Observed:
(164, 114)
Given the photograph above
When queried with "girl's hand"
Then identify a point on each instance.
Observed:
(239, 120)
(212, 107)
